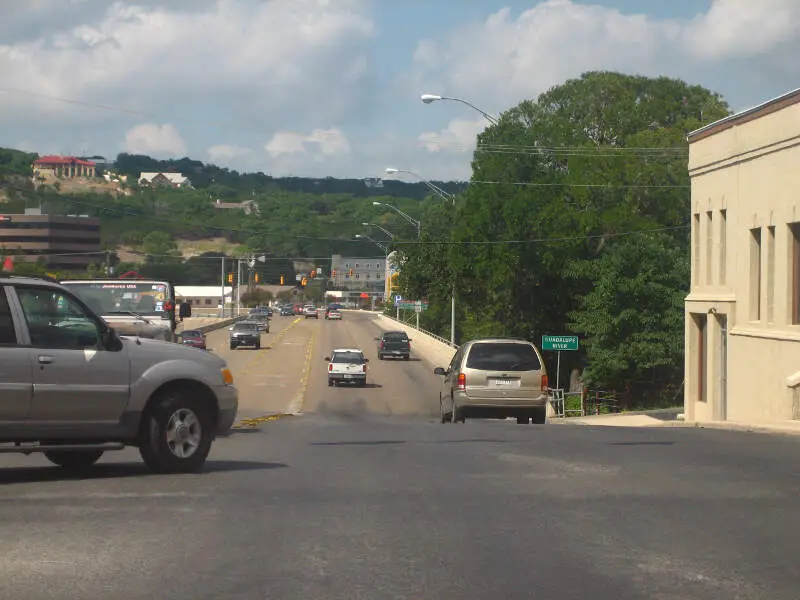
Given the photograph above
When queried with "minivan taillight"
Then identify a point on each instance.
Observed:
(545, 383)
(462, 382)
(330, 367)
(381, 344)
(364, 367)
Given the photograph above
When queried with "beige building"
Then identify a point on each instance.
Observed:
(743, 311)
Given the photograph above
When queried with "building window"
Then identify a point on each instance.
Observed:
(723, 246)
(770, 274)
(709, 248)
(701, 331)
(346, 265)
(358, 275)
(696, 249)
(357, 265)
(794, 277)
(755, 274)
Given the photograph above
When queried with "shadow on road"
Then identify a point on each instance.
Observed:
(641, 443)
(119, 471)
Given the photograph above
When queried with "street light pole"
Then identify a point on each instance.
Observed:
(388, 233)
(431, 186)
(405, 215)
(429, 98)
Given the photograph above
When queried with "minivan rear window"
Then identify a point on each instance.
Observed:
(500, 356)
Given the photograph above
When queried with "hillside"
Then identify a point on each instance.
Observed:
(223, 213)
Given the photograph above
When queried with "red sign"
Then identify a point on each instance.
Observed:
(364, 295)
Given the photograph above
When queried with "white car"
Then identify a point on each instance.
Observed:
(347, 365)
(334, 315)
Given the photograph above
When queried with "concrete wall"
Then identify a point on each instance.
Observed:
(744, 178)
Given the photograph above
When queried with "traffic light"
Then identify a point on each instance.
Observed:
(313, 273)
(230, 277)
(333, 272)
(351, 272)
(282, 280)
(256, 277)
(304, 281)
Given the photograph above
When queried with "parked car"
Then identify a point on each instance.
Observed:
(310, 312)
(72, 388)
(396, 344)
(494, 378)
(347, 365)
(193, 338)
(245, 333)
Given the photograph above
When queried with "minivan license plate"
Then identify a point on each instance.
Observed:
(502, 382)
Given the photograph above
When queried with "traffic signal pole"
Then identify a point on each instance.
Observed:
(222, 284)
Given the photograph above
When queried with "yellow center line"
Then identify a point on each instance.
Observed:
(296, 406)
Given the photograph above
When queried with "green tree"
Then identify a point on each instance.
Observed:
(600, 155)
(632, 317)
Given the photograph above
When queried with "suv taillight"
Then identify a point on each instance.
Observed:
(462, 382)
(545, 382)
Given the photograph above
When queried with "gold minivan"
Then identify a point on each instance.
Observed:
(494, 378)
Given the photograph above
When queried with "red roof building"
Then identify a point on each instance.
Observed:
(63, 166)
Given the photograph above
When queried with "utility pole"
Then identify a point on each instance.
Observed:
(222, 285)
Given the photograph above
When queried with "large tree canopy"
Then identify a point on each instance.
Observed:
(582, 191)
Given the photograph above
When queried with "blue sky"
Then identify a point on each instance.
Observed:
(331, 87)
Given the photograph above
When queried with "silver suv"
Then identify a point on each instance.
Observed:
(494, 378)
(72, 388)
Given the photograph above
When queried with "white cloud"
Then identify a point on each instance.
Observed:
(319, 142)
(742, 28)
(225, 153)
(250, 57)
(459, 136)
(154, 140)
(502, 60)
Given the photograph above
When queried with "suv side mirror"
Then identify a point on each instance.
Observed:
(111, 340)
(439, 371)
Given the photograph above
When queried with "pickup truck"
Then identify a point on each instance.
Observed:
(347, 365)
(395, 344)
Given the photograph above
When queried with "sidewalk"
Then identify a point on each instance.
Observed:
(653, 420)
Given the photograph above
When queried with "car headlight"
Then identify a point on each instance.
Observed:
(227, 376)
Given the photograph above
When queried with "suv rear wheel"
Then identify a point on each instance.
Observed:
(176, 434)
(73, 459)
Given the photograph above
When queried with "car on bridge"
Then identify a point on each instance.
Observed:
(245, 333)
(494, 378)
(347, 365)
(73, 388)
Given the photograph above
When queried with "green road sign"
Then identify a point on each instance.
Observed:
(412, 305)
(559, 342)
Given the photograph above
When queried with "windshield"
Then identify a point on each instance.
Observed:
(353, 358)
(245, 326)
(121, 297)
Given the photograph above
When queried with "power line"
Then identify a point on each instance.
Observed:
(545, 240)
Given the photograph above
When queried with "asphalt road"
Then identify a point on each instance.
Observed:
(366, 495)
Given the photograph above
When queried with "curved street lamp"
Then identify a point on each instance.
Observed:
(405, 215)
(431, 186)
(429, 98)
(388, 233)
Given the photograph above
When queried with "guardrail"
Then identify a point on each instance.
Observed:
(425, 331)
